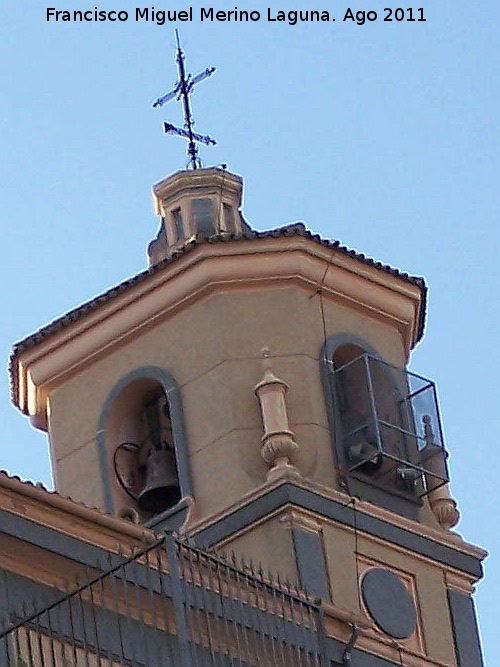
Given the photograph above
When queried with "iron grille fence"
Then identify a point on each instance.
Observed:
(168, 603)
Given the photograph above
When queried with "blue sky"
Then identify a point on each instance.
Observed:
(384, 136)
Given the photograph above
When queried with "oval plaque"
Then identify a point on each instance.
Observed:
(389, 603)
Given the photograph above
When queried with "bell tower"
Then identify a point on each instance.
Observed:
(250, 391)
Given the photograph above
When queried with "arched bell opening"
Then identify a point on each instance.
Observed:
(388, 424)
(142, 445)
(361, 444)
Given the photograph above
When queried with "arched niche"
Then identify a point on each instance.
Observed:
(376, 421)
(145, 401)
(378, 443)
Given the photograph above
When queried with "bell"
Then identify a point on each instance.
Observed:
(161, 489)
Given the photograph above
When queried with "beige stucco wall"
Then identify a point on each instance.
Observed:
(213, 349)
(348, 556)
(430, 591)
(268, 543)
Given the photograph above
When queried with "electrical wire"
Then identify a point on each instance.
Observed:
(344, 478)
(344, 483)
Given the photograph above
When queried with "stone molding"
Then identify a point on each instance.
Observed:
(283, 495)
(207, 268)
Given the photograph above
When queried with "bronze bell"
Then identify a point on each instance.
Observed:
(161, 489)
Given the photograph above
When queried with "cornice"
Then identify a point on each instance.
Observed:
(47, 508)
(182, 182)
(225, 526)
(207, 268)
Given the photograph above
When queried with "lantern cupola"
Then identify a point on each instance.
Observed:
(250, 391)
(196, 204)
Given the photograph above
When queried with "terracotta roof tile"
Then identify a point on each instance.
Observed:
(67, 504)
(36, 485)
(50, 492)
(295, 229)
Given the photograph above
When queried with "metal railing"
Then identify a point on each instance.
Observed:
(168, 603)
(390, 427)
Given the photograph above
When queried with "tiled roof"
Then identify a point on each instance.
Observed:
(36, 485)
(53, 500)
(295, 229)
(40, 487)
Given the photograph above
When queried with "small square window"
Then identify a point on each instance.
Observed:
(178, 224)
(203, 215)
(227, 222)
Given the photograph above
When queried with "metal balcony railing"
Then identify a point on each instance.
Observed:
(390, 426)
(166, 604)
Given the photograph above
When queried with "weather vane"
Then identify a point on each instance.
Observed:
(182, 90)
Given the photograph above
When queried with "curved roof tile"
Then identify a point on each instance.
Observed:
(294, 229)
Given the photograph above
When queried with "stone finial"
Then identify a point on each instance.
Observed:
(442, 504)
(279, 448)
(444, 507)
